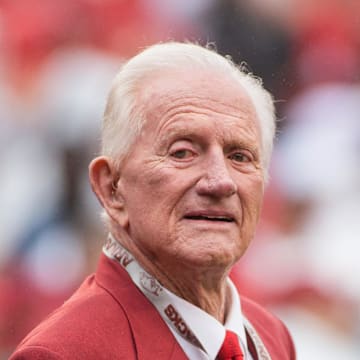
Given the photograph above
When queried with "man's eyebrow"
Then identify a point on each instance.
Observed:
(177, 132)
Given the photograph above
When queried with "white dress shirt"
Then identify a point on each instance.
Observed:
(209, 331)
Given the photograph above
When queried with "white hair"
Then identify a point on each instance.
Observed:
(124, 116)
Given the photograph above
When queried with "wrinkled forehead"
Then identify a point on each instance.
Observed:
(160, 92)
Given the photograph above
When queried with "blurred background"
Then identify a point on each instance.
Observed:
(57, 60)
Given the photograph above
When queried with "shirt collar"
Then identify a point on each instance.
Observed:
(209, 331)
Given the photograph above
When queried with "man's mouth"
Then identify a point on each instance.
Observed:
(210, 218)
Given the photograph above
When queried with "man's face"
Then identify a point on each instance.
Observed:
(193, 182)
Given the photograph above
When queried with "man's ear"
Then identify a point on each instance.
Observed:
(104, 177)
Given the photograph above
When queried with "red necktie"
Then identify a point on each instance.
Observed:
(230, 349)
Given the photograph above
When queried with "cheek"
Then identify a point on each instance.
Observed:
(256, 194)
(252, 193)
(152, 192)
(165, 180)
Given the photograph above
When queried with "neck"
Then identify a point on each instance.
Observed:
(204, 287)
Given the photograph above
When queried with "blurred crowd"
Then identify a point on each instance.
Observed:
(57, 60)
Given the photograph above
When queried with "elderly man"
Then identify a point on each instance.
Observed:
(187, 138)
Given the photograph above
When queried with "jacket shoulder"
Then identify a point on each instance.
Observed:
(87, 326)
(271, 330)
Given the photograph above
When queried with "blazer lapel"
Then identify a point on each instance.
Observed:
(150, 333)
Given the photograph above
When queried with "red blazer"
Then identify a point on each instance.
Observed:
(109, 318)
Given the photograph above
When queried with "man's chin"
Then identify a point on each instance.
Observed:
(208, 258)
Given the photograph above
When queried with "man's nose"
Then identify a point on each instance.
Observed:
(216, 180)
